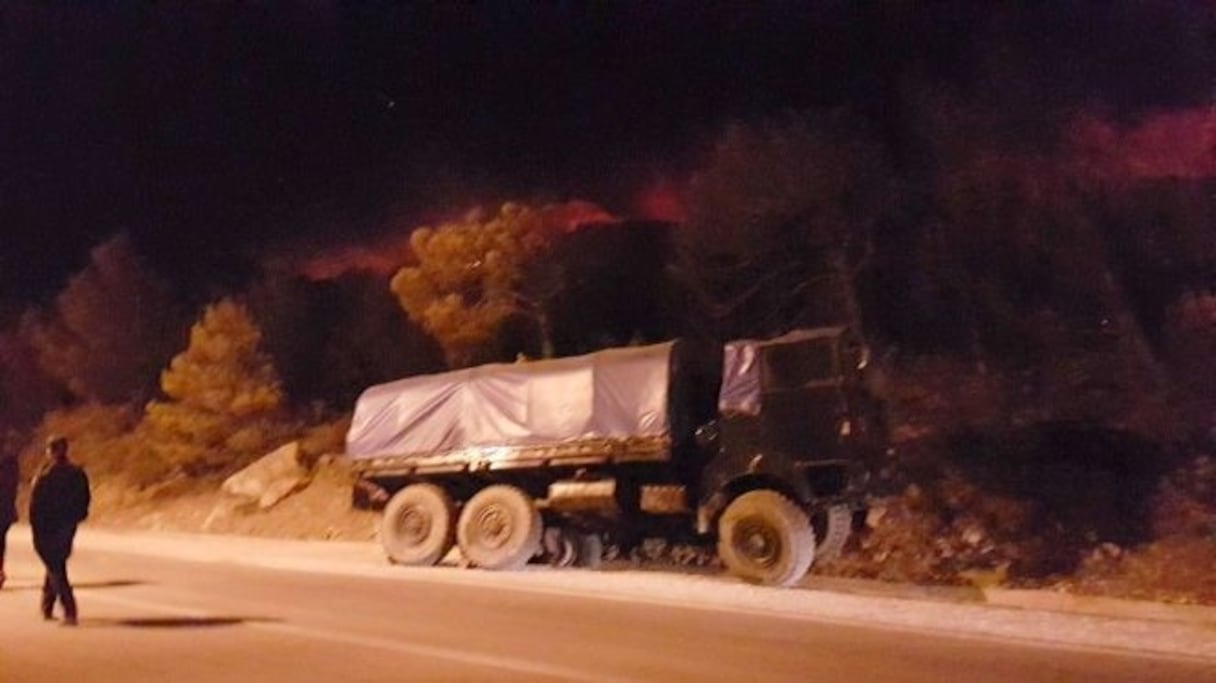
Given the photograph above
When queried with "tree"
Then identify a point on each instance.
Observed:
(607, 285)
(465, 285)
(112, 328)
(781, 225)
(371, 341)
(26, 392)
(295, 319)
(223, 399)
(1039, 270)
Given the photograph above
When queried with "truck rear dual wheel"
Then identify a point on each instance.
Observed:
(590, 551)
(572, 548)
(833, 525)
(763, 537)
(499, 528)
(418, 526)
(559, 547)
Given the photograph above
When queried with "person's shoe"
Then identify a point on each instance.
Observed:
(69, 621)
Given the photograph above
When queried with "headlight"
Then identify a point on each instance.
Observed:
(706, 435)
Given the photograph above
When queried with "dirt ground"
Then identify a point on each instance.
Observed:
(320, 511)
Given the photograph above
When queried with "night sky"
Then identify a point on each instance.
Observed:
(215, 131)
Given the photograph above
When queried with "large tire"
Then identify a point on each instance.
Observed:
(499, 528)
(559, 549)
(418, 525)
(763, 537)
(590, 550)
(833, 525)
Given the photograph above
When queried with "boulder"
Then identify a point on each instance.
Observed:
(272, 478)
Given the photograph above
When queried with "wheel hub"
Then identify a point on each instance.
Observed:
(757, 541)
(414, 525)
(494, 526)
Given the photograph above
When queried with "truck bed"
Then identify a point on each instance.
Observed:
(581, 453)
(599, 405)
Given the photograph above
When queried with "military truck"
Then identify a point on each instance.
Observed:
(758, 446)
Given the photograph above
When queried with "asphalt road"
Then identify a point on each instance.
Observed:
(146, 618)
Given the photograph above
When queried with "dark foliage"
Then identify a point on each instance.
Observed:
(1083, 484)
(608, 285)
(332, 339)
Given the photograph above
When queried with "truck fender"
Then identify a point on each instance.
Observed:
(726, 478)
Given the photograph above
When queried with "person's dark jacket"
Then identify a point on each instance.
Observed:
(60, 499)
(9, 476)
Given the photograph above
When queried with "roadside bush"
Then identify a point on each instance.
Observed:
(223, 402)
(1177, 565)
(1022, 506)
(324, 438)
(99, 436)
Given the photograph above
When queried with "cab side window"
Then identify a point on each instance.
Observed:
(794, 365)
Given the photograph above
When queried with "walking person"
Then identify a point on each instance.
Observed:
(9, 475)
(58, 503)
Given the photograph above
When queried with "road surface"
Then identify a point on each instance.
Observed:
(150, 616)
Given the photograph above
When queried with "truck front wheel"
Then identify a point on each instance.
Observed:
(417, 527)
(499, 528)
(763, 537)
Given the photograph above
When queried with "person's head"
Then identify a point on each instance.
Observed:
(57, 448)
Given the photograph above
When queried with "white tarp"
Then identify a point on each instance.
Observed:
(740, 391)
(617, 393)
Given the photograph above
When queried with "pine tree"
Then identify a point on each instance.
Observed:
(467, 283)
(25, 390)
(782, 225)
(224, 402)
(112, 327)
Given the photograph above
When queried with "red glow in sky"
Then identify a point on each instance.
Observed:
(388, 254)
(576, 213)
(662, 201)
(381, 258)
(1177, 143)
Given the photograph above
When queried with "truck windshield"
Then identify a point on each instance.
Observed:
(794, 365)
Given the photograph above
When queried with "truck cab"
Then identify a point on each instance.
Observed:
(796, 419)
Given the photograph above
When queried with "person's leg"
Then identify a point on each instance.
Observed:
(66, 595)
(58, 574)
(48, 596)
(48, 586)
(3, 543)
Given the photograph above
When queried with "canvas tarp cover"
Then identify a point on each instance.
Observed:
(617, 393)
